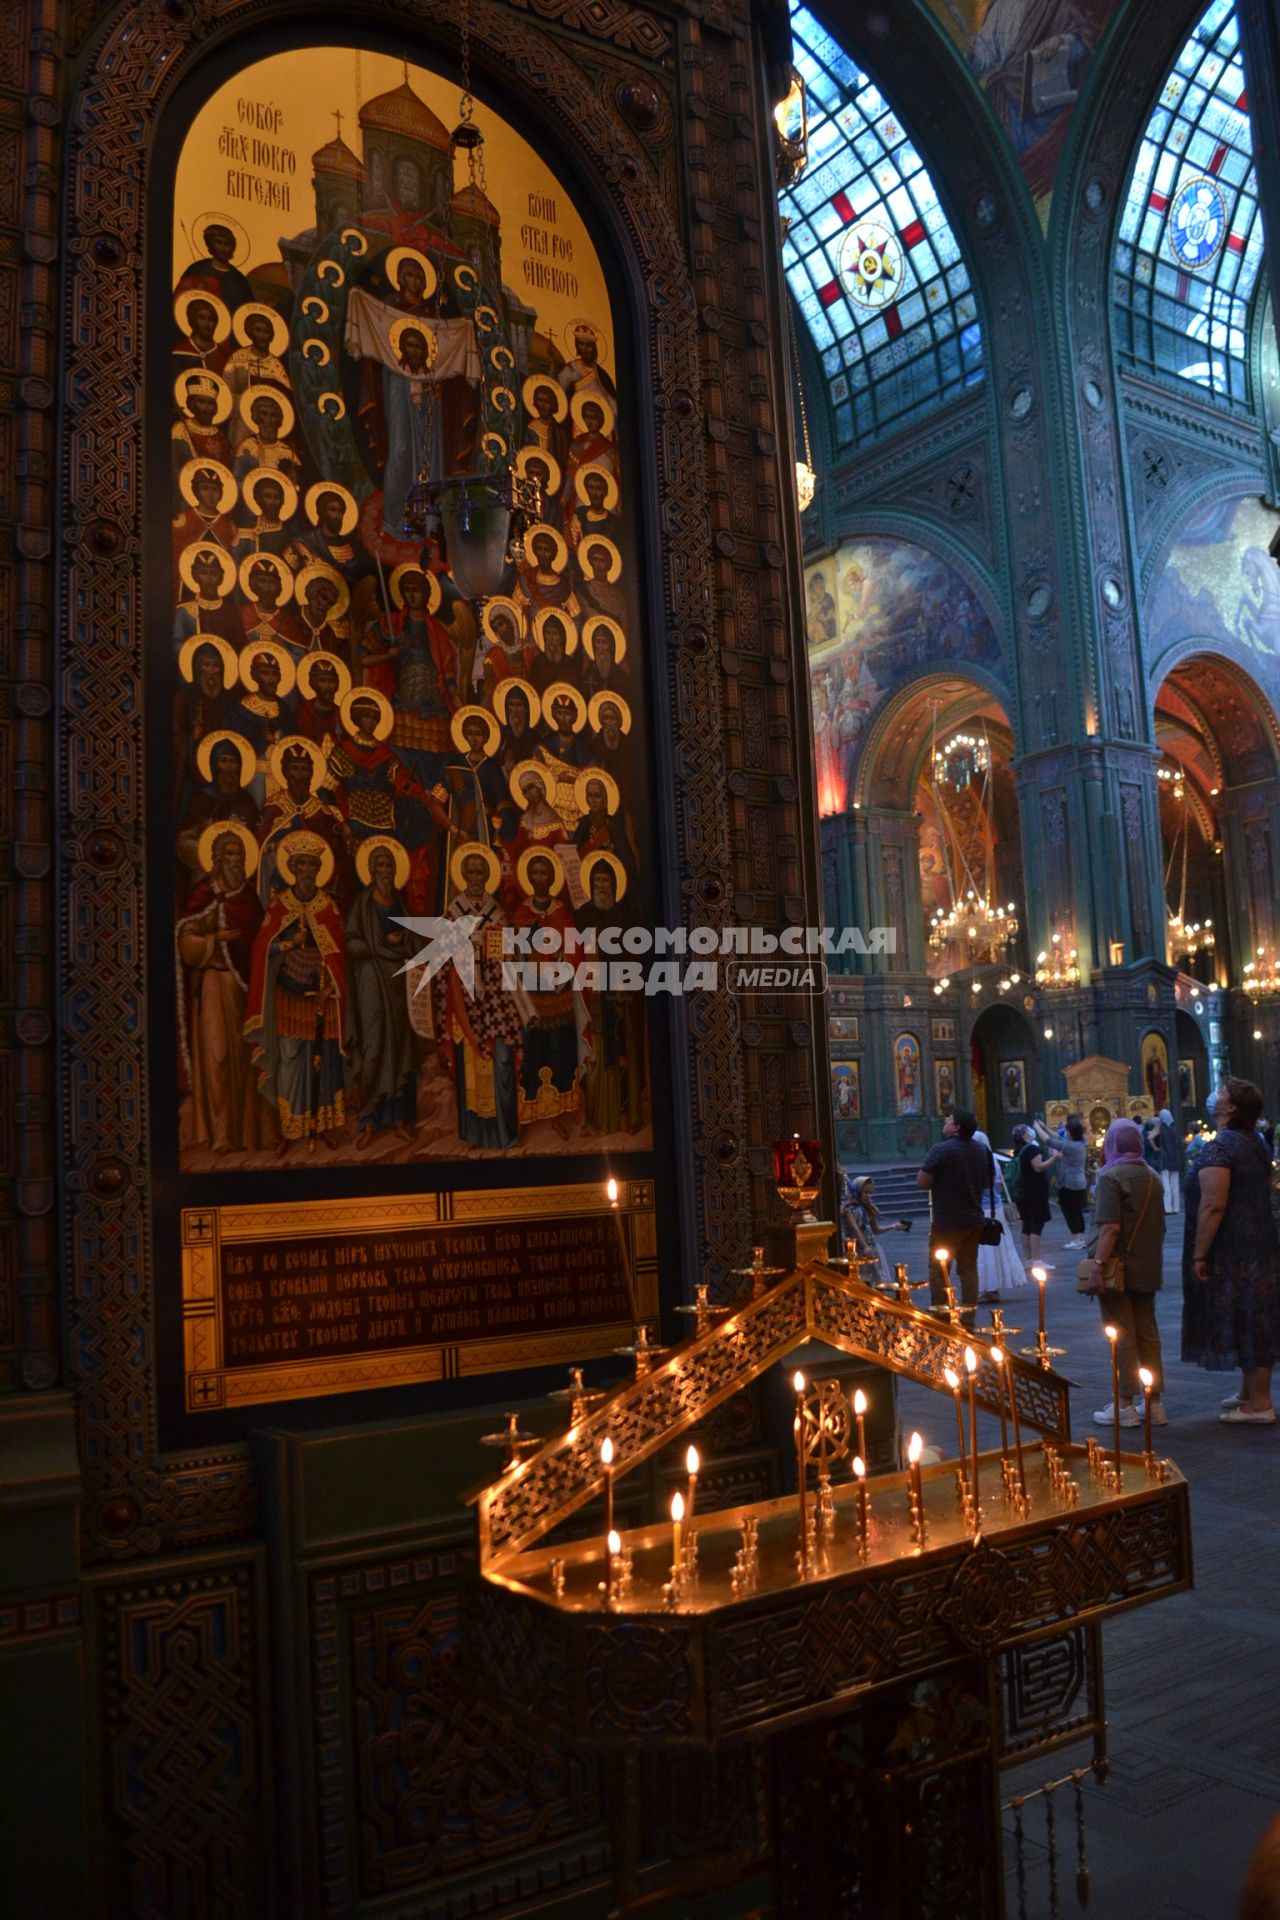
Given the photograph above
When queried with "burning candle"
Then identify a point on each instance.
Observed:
(997, 1361)
(860, 1475)
(691, 1465)
(971, 1368)
(1041, 1277)
(798, 1383)
(915, 1447)
(677, 1520)
(612, 1548)
(952, 1379)
(606, 1461)
(611, 1195)
(859, 1414)
(1113, 1335)
(1017, 1430)
(943, 1257)
(1148, 1380)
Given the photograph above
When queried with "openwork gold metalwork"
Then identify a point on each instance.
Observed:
(813, 1303)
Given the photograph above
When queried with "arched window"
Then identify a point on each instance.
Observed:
(1190, 241)
(870, 256)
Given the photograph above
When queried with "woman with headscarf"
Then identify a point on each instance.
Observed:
(999, 1268)
(1230, 1253)
(864, 1226)
(1126, 1249)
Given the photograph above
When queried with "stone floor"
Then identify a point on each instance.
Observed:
(1192, 1683)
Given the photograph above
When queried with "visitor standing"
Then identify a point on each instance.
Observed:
(862, 1223)
(1034, 1162)
(1230, 1255)
(1127, 1254)
(1169, 1150)
(999, 1268)
(1073, 1176)
(957, 1173)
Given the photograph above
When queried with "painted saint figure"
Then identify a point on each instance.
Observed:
(215, 937)
(480, 1030)
(380, 1041)
(297, 1006)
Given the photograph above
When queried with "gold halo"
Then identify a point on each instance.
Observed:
(529, 766)
(603, 698)
(593, 397)
(315, 308)
(590, 327)
(503, 691)
(304, 842)
(386, 718)
(540, 853)
(307, 665)
(466, 277)
(316, 349)
(248, 758)
(288, 674)
(215, 380)
(610, 487)
(249, 399)
(396, 258)
(593, 860)
(276, 566)
(232, 226)
(399, 328)
(321, 570)
(214, 832)
(530, 388)
(486, 319)
(553, 693)
(589, 627)
(493, 871)
(187, 557)
(227, 654)
(366, 850)
(290, 744)
(502, 358)
(412, 566)
(570, 629)
(513, 607)
(612, 797)
(494, 740)
(310, 505)
(333, 405)
(555, 479)
(503, 399)
(493, 446)
(589, 540)
(254, 478)
(279, 331)
(562, 551)
(227, 485)
(182, 302)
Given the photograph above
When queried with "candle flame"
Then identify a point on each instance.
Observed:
(997, 1355)
(691, 1460)
(859, 1401)
(859, 1467)
(1147, 1378)
(943, 1256)
(915, 1447)
(798, 1382)
(970, 1360)
(677, 1507)
(611, 1192)
(1112, 1333)
(1039, 1275)
(606, 1452)
(952, 1379)
(615, 1541)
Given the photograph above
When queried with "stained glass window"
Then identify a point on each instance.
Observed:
(1190, 242)
(870, 257)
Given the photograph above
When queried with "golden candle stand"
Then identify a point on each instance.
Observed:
(853, 1687)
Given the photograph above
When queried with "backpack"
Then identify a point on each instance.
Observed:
(1013, 1179)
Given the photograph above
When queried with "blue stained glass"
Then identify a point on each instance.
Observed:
(863, 168)
(1190, 239)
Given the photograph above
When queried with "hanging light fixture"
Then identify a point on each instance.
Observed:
(975, 927)
(483, 515)
(1186, 938)
(791, 132)
(806, 478)
(1261, 976)
(1057, 965)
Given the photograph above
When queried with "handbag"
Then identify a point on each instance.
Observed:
(1109, 1278)
(991, 1232)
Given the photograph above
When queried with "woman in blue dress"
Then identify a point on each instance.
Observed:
(1231, 1258)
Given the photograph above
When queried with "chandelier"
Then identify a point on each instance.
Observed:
(483, 515)
(1187, 938)
(962, 759)
(1261, 977)
(980, 929)
(1057, 966)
